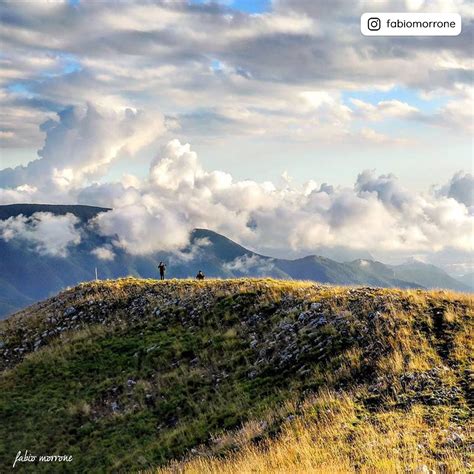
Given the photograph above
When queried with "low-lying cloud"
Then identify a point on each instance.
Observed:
(253, 264)
(461, 188)
(48, 234)
(144, 227)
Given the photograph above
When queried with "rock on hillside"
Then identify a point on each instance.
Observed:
(129, 374)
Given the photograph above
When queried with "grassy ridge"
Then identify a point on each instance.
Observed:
(129, 374)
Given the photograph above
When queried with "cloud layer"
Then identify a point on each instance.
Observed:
(158, 212)
(287, 72)
(377, 213)
(44, 232)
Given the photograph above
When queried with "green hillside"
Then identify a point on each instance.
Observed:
(129, 374)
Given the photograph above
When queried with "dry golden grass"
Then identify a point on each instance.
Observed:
(331, 436)
(124, 288)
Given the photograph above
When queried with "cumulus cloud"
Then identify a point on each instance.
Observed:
(386, 187)
(79, 147)
(377, 214)
(23, 193)
(144, 227)
(104, 253)
(190, 252)
(157, 213)
(46, 233)
(385, 109)
(461, 188)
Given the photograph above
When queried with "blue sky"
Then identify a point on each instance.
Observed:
(247, 6)
(409, 96)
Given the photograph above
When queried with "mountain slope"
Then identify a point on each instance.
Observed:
(128, 374)
(428, 276)
(468, 280)
(328, 271)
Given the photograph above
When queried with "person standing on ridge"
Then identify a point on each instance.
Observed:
(200, 275)
(162, 268)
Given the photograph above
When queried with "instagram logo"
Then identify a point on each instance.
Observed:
(373, 24)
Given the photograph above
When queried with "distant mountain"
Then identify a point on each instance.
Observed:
(468, 280)
(222, 257)
(381, 274)
(428, 275)
(84, 213)
(26, 276)
(343, 254)
(338, 253)
(328, 271)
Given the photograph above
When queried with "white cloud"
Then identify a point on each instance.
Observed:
(158, 212)
(251, 264)
(80, 146)
(191, 252)
(378, 214)
(385, 109)
(23, 193)
(104, 253)
(144, 227)
(47, 233)
(368, 135)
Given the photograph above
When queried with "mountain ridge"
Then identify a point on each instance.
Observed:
(84, 212)
(209, 251)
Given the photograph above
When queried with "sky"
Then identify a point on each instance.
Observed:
(274, 122)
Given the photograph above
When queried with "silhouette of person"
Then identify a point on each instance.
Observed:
(200, 275)
(162, 268)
